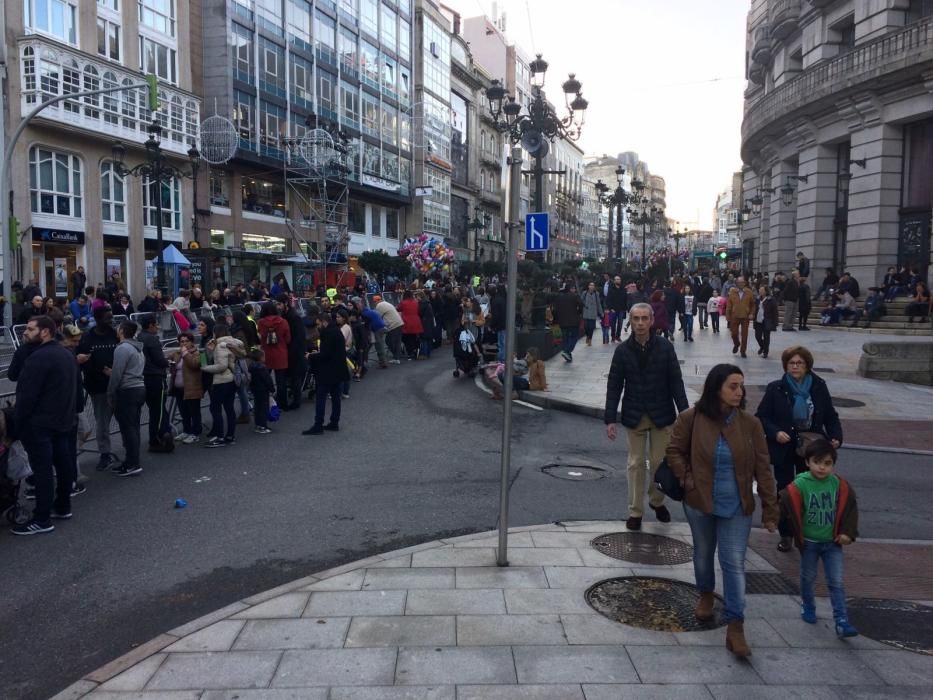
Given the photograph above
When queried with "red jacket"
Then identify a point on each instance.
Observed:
(846, 511)
(276, 355)
(411, 316)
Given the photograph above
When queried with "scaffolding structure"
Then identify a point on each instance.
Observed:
(316, 167)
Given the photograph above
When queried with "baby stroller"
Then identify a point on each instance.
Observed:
(466, 354)
(10, 507)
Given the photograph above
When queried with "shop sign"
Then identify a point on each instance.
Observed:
(54, 235)
(380, 183)
(196, 271)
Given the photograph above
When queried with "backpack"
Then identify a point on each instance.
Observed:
(241, 376)
(272, 338)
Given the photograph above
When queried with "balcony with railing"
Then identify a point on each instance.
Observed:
(784, 18)
(761, 45)
(49, 70)
(905, 52)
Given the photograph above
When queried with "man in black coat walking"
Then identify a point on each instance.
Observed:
(44, 418)
(617, 303)
(331, 370)
(297, 348)
(646, 369)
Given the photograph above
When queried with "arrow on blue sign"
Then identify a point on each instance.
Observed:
(537, 231)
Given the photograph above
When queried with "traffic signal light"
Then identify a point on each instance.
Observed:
(723, 255)
(153, 81)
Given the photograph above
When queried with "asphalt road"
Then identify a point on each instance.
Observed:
(417, 458)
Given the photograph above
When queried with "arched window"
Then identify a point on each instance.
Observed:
(71, 83)
(128, 105)
(171, 203)
(112, 194)
(29, 74)
(191, 120)
(176, 120)
(91, 82)
(55, 183)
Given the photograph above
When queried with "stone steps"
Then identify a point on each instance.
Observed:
(892, 323)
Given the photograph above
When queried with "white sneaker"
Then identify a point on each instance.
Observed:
(395, 362)
(191, 439)
(181, 437)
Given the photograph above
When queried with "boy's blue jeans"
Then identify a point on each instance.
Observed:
(731, 535)
(687, 323)
(831, 554)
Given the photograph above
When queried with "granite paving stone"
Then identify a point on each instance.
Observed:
(402, 630)
(350, 603)
(554, 556)
(573, 664)
(818, 666)
(775, 692)
(135, 677)
(209, 670)
(324, 667)
(491, 630)
(772, 606)
(582, 577)
(288, 605)
(899, 667)
(533, 600)
(217, 637)
(650, 692)
(350, 581)
(402, 579)
(683, 664)
(758, 633)
(455, 602)
(454, 666)
(144, 695)
(401, 562)
(267, 694)
(565, 539)
(516, 539)
(509, 577)
(596, 629)
(798, 633)
(453, 556)
(446, 692)
(304, 633)
(519, 692)
(888, 692)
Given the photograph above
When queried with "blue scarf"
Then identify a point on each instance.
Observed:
(803, 405)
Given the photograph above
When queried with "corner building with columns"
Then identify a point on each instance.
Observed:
(837, 137)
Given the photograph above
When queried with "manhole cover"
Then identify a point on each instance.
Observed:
(824, 370)
(574, 472)
(843, 402)
(898, 623)
(776, 584)
(643, 548)
(651, 603)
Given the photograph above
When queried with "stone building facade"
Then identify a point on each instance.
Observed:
(837, 137)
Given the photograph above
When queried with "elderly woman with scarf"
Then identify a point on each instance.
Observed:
(796, 409)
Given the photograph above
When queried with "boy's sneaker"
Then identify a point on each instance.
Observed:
(808, 614)
(33, 527)
(126, 470)
(261, 430)
(181, 437)
(215, 442)
(191, 439)
(78, 489)
(844, 629)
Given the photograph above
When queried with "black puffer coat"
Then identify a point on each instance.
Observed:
(648, 380)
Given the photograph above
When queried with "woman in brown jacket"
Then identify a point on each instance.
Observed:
(718, 450)
(187, 388)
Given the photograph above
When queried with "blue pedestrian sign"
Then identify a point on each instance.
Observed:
(537, 231)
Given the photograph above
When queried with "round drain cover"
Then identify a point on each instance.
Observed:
(574, 472)
(896, 622)
(651, 603)
(843, 402)
(643, 548)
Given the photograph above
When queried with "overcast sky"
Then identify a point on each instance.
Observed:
(663, 78)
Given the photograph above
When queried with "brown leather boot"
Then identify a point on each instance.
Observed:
(735, 640)
(704, 609)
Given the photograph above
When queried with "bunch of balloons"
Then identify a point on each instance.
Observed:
(427, 255)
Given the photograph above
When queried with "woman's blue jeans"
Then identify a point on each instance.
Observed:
(831, 554)
(731, 535)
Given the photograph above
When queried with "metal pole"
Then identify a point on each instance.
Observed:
(157, 180)
(510, 305)
(609, 232)
(619, 233)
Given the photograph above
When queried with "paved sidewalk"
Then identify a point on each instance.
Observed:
(886, 414)
(440, 621)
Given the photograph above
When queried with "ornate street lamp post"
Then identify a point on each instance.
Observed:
(476, 225)
(155, 172)
(616, 199)
(642, 213)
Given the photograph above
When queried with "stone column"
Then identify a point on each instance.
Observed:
(783, 221)
(874, 201)
(816, 205)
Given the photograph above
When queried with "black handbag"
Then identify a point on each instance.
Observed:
(667, 481)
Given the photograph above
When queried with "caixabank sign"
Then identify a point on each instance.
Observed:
(55, 235)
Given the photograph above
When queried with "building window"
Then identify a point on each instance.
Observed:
(325, 38)
(389, 29)
(298, 16)
(350, 8)
(369, 17)
(112, 194)
(390, 166)
(356, 216)
(219, 188)
(263, 196)
(269, 15)
(108, 39)
(157, 58)
(349, 56)
(370, 115)
(372, 163)
(919, 9)
(302, 85)
(242, 39)
(369, 59)
(54, 183)
(436, 58)
(244, 109)
(392, 224)
(271, 67)
(389, 85)
(109, 4)
(404, 85)
(326, 98)
(404, 40)
(272, 126)
(349, 105)
(158, 15)
(377, 221)
(54, 17)
(110, 101)
(404, 131)
(390, 125)
(170, 193)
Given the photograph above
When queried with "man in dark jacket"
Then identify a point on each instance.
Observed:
(331, 370)
(34, 309)
(297, 347)
(154, 379)
(44, 418)
(646, 369)
(617, 303)
(567, 314)
(790, 296)
(78, 281)
(703, 294)
(95, 354)
(497, 320)
(803, 265)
